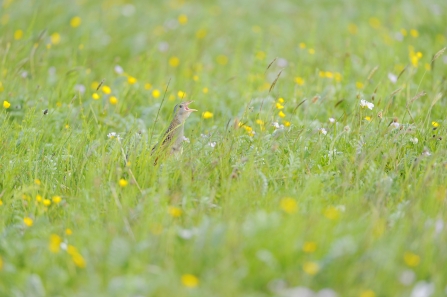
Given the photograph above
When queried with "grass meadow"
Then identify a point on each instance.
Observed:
(315, 166)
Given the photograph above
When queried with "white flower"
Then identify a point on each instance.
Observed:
(331, 120)
(414, 140)
(63, 246)
(407, 277)
(119, 69)
(423, 289)
(395, 124)
(212, 144)
(277, 126)
(79, 88)
(364, 103)
(426, 153)
(185, 139)
(392, 78)
(322, 131)
(113, 135)
(163, 46)
(281, 62)
(347, 129)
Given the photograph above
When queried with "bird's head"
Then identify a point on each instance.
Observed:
(182, 111)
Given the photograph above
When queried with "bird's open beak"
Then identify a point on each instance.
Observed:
(187, 108)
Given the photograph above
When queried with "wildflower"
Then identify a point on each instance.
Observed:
(338, 76)
(118, 69)
(207, 115)
(1, 263)
(55, 243)
(39, 198)
(279, 106)
(205, 90)
(414, 33)
(1, 87)
(277, 126)
(331, 120)
(6, 104)
(181, 94)
(289, 205)
(113, 100)
(46, 202)
(190, 280)
(368, 118)
(113, 135)
(322, 131)
(79, 88)
(260, 55)
(374, 22)
(407, 277)
(392, 78)
(18, 34)
(174, 61)
(299, 80)
(395, 124)
(302, 45)
(106, 89)
(411, 259)
(260, 122)
(403, 32)
(435, 124)
(368, 293)
(201, 33)
(78, 260)
(182, 19)
(212, 144)
(329, 74)
(131, 80)
(352, 28)
(1, 202)
(68, 231)
(56, 199)
(423, 289)
(359, 85)
(366, 104)
(311, 51)
(309, 247)
(414, 140)
(156, 93)
(332, 213)
(222, 59)
(186, 139)
(426, 152)
(311, 268)
(122, 182)
(55, 38)
(281, 114)
(281, 100)
(195, 78)
(28, 221)
(174, 211)
(95, 96)
(75, 22)
(347, 129)
(286, 123)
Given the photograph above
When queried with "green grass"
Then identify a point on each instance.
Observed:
(359, 211)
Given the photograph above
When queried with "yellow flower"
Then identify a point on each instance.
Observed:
(182, 19)
(46, 202)
(207, 115)
(260, 122)
(37, 181)
(329, 74)
(309, 247)
(113, 100)
(289, 205)
(174, 61)
(222, 59)
(6, 104)
(2, 88)
(302, 45)
(147, 86)
(260, 55)
(68, 231)
(368, 119)
(337, 76)
(256, 29)
(352, 28)
(28, 221)
(1, 263)
(321, 74)
(359, 85)
(279, 106)
(56, 199)
(311, 268)
(131, 80)
(181, 94)
(281, 100)
(195, 78)
(39, 198)
(122, 182)
(403, 32)
(286, 123)
(156, 93)
(75, 22)
(435, 124)
(18, 34)
(374, 22)
(55, 38)
(78, 260)
(311, 51)
(281, 114)
(55, 243)
(106, 89)
(205, 90)
(332, 213)
(95, 96)
(411, 259)
(190, 280)
(1, 202)
(174, 211)
(368, 293)
(71, 250)
(414, 33)
(299, 80)
(201, 33)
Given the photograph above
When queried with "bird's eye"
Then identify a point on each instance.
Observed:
(181, 106)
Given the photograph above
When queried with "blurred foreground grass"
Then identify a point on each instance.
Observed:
(331, 180)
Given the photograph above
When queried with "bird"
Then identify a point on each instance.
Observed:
(171, 143)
